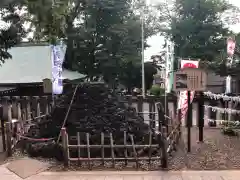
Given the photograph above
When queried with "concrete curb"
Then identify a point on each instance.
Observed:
(141, 173)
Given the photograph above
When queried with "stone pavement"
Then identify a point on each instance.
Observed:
(5, 174)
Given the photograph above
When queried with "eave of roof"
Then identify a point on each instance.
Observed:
(31, 63)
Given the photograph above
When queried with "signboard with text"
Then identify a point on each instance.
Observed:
(190, 79)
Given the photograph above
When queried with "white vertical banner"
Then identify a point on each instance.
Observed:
(183, 97)
(231, 44)
(169, 66)
(57, 55)
(228, 85)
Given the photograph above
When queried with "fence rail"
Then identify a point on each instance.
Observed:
(129, 149)
(18, 114)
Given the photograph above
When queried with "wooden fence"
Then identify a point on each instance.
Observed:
(167, 131)
(18, 114)
(127, 157)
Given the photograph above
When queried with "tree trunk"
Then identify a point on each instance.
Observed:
(129, 89)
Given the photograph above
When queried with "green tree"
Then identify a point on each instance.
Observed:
(150, 70)
(196, 28)
(50, 19)
(105, 43)
(219, 65)
(101, 36)
(131, 75)
(11, 30)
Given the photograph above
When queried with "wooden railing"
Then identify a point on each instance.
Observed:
(166, 132)
(18, 114)
(129, 151)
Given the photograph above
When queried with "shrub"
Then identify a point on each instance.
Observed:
(156, 90)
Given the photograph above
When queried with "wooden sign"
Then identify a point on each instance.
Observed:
(190, 79)
(47, 86)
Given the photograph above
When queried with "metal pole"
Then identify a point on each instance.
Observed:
(165, 103)
(230, 103)
(189, 121)
(200, 116)
(228, 79)
(3, 129)
(143, 71)
(53, 100)
(166, 84)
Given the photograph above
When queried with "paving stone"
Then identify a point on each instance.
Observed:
(4, 171)
(95, 177)
(5, 174)
(229, 177)
(153, 177)
(191, 177)
(112, 177)
(39, 177)
(9, 177)
(172, 177)
(133, 177)
(27, 167)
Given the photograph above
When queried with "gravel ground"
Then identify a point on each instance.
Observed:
(217, 152)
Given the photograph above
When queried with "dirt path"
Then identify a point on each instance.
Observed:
(218, 152)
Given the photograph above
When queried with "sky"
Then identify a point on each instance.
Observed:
(157, 41)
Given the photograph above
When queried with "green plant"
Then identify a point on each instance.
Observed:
(156, 90)
(229, 131)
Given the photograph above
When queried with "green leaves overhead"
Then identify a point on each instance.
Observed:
(197, 29)
(11, 28)
(103, 37)
(108, 35)
(47, 18)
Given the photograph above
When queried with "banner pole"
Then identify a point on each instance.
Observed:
(189, 121)
(200, 116)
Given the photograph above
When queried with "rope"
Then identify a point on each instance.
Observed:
(35, 139)
(69, 108)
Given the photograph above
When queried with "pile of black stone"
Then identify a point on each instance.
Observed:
(95, 109)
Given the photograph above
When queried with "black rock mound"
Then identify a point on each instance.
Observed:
(95, 109)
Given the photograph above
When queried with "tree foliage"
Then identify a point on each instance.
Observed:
(198, 32)
(102, 36)
(196, 28)
(48, 18)
(11, 30)
(131, 75)
(220, 63)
